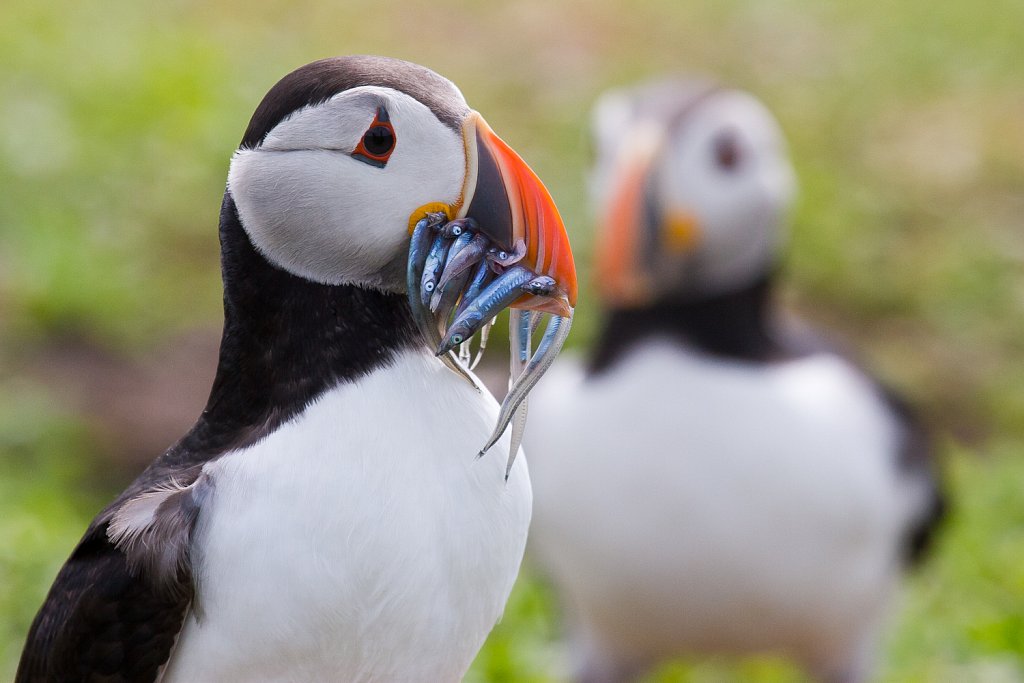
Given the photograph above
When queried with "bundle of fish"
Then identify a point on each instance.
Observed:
(460, 278)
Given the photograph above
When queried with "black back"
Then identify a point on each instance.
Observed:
(736, 325)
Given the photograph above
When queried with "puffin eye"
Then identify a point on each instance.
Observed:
(378, 141)
(727, 151)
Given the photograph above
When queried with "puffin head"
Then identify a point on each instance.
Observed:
(374, 173)
(692, 184)
(344, 155)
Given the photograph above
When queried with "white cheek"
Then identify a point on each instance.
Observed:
(739, 228)
(741, 213)
(298, 212)
(327, 217)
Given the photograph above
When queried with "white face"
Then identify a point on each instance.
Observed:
(312, 208)
(724, 165)
(727, 166)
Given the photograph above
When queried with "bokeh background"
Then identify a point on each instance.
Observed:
(906, 124)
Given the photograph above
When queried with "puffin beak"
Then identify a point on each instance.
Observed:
(617, 250)
(620, 275)
(503, 245)
(512, 207)
(636, 228)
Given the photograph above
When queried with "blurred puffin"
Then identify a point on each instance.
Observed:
(325, 519)
(713, 479)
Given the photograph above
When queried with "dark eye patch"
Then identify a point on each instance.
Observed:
(726, 151)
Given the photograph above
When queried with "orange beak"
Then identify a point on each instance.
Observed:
(514, 209)
(617, 248)
(621, 282)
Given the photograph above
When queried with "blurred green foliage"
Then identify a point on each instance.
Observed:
(117, 120)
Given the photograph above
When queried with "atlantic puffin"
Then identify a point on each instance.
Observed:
(715, 477)
(327, 518)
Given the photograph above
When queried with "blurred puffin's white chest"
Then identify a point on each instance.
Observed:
(685, 502)
(361, 541)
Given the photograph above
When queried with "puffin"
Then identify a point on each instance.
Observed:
(715, 478)
(327, 517)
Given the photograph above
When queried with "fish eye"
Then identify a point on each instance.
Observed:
(429, 286)
(378, 141)
(457, 338)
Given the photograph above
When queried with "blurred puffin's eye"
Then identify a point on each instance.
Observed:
(378, 141)
(727, 151)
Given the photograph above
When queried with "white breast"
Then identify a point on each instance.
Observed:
(688, 504)
(362, 541)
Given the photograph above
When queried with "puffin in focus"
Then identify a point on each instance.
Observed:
(715, 478)
(326, 518)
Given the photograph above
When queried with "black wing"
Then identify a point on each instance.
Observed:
(116, 608)
(918, 460)
(103, 622)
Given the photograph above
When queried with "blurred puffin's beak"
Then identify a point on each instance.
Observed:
(617, 276)
(512, 207)
(620, 276)
(636, 226)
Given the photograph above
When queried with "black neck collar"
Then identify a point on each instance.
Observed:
(738, 325)
(287, 340)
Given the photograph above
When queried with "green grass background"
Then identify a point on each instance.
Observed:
(906, 123)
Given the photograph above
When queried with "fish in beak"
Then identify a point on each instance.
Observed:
(502, 246)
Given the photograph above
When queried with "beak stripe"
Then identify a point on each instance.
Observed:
(543, 266)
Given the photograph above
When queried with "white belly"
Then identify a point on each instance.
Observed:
(362, 541)
(686, 504)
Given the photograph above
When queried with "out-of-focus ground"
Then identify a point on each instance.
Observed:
(906, 123)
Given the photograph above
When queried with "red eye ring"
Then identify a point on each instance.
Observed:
(378, 142)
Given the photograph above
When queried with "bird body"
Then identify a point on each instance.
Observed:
(748, 507)
(326, 518)
(334, 545)
(715, 477)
